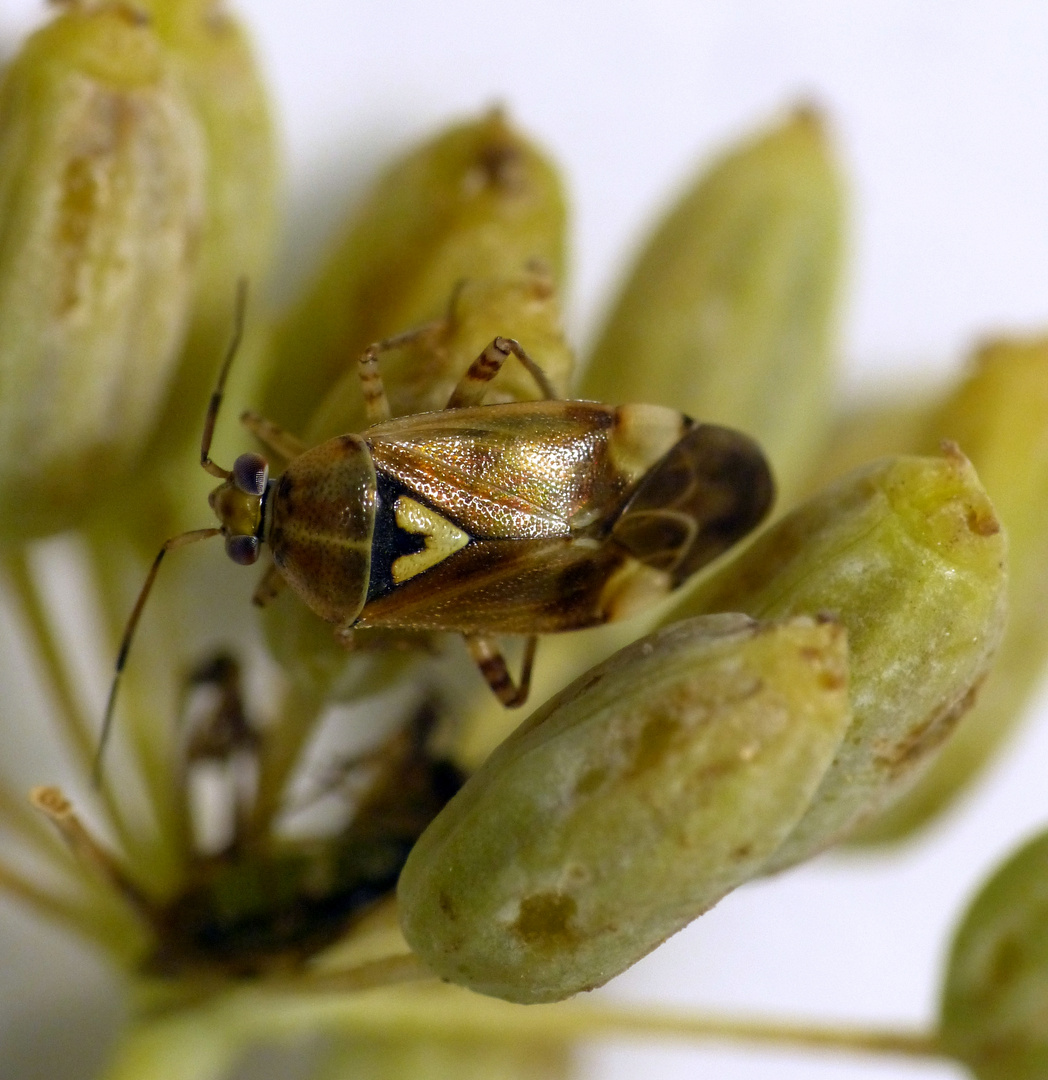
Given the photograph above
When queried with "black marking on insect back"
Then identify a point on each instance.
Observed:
(578, 582)
(389, 541)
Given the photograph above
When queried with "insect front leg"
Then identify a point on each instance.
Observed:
(278, 440)
(270, 585)
(472, 385)
(488, 657)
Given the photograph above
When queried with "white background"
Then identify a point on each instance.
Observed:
(941, 117)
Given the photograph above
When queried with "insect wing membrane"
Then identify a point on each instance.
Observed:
(711, 489)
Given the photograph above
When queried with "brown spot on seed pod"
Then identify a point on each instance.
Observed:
(447, 906)
(927, 736)
(982, 521)
(830, 676)
(590, 781)
(653, 744)
(546, 921)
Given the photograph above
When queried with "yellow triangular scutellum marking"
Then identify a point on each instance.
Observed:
(442, 538)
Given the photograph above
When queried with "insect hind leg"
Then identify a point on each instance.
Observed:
(471, 387)
(492, 664)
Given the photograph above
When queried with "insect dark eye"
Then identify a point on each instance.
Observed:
(242, 549)
(250, 473)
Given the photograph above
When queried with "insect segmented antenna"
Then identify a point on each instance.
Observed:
(183, 538)
(129, 632)
(239, 311)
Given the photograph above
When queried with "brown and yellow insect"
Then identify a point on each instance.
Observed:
(521, 519)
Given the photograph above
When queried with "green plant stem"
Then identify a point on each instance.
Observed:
(85, 911)
(280, 751)
(40, 900)
(71, 717)
(372, 975)
(186, 1046)
(278, 1009)
(446, 1012)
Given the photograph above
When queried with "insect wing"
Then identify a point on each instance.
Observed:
(505, 586)
(549, 516)
(519, 471)
(711, 489)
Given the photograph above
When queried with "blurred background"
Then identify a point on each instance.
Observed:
(940, 114)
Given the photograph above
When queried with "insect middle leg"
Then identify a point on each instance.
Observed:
(488, 657)
(474, 383)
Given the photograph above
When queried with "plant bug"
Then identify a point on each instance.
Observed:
(523, 518)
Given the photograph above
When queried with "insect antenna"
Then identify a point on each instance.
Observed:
(129, 632)
(240, 309)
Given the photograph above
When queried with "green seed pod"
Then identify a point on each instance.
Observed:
(213, 57)
(909, 555)
(425, 372)
(728, 313)
(999, 417)
(627, 806)
(102, 170)
(996, 988)
(476, 202)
